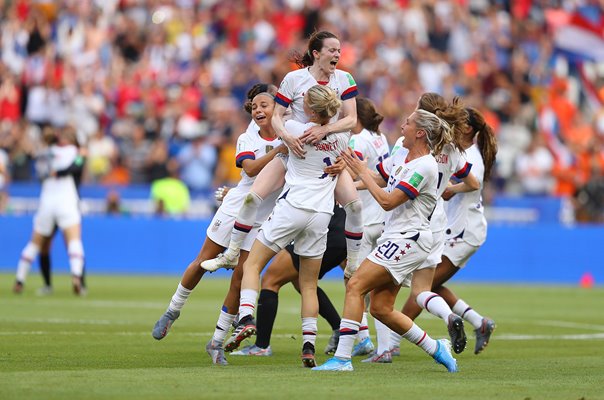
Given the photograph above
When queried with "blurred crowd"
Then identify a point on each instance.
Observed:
(155, 87)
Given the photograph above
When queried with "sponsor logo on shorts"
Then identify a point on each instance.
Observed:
(216, 225)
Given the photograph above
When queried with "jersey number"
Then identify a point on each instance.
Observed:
(388, 249)
(327, 162)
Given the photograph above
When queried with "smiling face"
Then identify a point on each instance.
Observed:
(409, 131)
(262, 109)
(327, 59)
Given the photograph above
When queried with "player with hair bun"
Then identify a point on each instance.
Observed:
(302, 214)
(411, 179)
(255, 149)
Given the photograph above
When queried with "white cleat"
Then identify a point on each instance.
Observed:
(221, 261)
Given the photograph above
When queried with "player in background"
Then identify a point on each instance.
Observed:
(318, 66)
(255, 148)
(302, 214)
(284, 268)
(369, 144)
(451, 161)
(59, 205)
(467, 227)
(410, 197)
(76, 169)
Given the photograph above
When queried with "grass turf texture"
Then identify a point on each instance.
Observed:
(549, 344)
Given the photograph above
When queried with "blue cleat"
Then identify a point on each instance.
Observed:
(335, 364)
(363, 348)
(162, 326)
(443, 355)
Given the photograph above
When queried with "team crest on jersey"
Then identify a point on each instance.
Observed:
(268, 148)
(416, 179)
(216, 225)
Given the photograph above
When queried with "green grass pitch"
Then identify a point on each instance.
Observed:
(549, 344)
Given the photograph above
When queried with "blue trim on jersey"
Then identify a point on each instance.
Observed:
(407, 190)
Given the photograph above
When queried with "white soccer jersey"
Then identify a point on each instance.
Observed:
(296, 83)
(306, 185)
(59, 189)
(250, 146)
(372, 147)
(464, 211)
(451, 162)
(418, 179)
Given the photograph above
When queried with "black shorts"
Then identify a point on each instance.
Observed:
(332, 258)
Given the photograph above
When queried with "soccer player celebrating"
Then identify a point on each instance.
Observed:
(405, 243)
(302, 214)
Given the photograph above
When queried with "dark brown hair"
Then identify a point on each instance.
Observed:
(453, 113)
(367, 115)
(485, 139)
(254, 91)
(315, 42)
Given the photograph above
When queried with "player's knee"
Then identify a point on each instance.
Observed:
(354, 207)
(379, 311)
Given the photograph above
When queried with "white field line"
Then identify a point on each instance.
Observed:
(509, 336)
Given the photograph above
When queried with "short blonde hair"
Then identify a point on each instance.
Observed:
(323, 101)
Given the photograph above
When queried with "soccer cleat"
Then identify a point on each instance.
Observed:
(363, 348)
(216, 353)
(335, 364)
(161, 328)
(384, 358)
(457, 334)
(244, 329)
(308, 355)
(443, 355)
(221, 261)
(483, 334)
(395, 351)
(78, 287)
(18, 287)
(253, 350)
(44, 291)
(332, 345)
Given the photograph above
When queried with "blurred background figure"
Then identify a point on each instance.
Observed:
(169, 193)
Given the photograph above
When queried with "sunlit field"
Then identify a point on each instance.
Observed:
(549, 344)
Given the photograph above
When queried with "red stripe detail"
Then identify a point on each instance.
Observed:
(283, 98)
(359, 154)
(462, 173)
(363, 328)
(428, 300)
(347, 330)
(322, 82)
(353, 235)
(248, 305)
(382, 172)
(409, 187)
(244, 227)
(422, 339)
(350, 89)
(309, 333)
(245, 153)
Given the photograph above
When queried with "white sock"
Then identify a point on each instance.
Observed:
(222, 326)
(247, 303)
(75, 249)
(383, 337)
(179, 298)
(348, 334)
(309, 330)
(28, 255)
(363, 329)
(419, 337)
(395, 340)
(434, 304)
(243, 223)
(353, 228)
(466, 312)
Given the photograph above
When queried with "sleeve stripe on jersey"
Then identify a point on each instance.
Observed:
(408, 189)
(280, 99)
(246, 155)
(359, 154)
(349, 93)
(465, 171)
(380, 169)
